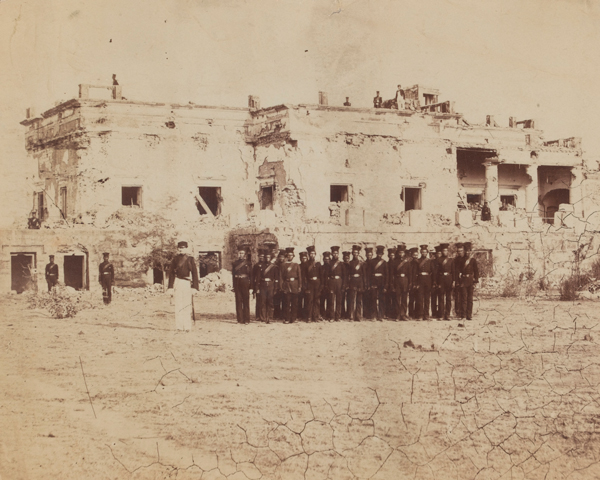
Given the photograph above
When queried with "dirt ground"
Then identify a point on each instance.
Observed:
(512, 394)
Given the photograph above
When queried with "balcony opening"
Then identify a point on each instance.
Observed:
(338, 193)
(507, 202)
(474, 198)
(131, 196)
(266, 197)
(208, 201)
(412, 198)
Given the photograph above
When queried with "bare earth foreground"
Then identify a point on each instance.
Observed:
(512, 394)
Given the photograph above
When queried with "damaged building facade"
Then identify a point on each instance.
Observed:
(296, 175)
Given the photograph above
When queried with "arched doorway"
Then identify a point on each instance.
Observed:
(552, 200)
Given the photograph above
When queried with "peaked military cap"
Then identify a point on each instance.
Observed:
(401, 248)
(335, 249)
(368, 249)
(326, 254)
(310, 248)
(289, 250)
(346, 253)
(444, 245)
(380, 249)
(468, 245)
(356, 248)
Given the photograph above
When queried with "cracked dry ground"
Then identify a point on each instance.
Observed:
(512, 394)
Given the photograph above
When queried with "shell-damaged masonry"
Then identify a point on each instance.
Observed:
(126, 176)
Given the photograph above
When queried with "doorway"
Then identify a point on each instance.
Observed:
(74, 271)
(22, 266)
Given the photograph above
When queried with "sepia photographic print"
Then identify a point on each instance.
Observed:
(299, 239)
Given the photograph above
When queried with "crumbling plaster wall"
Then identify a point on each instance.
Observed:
(168, 151)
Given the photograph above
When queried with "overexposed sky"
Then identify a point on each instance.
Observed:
(528, 58)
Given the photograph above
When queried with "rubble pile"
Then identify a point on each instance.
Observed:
(217, 282)
(591, 290)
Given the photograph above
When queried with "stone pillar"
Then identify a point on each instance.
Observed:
(532, 192)
(575, 191)
(492, 190)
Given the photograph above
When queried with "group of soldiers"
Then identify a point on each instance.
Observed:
(416, 283)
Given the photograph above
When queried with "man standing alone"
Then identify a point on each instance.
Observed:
(106, 278)
(51, 273)
(183, 276)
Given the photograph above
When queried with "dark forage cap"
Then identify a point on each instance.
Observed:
(380, 249)
(346, 253)
(368, 249)
(335, 249)
(326, 254)
(468, 245)
(303, 254)
(402, 247)
(310, 248)
(281, 253)
(444, 245)
(424, 247)
(182, 244)
(438, 248)
(356, 248)
(289, 250)
(460, 245)
(413, 250)
(106, 254)
(391, 250)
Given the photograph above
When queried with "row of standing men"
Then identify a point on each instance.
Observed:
(412, 283)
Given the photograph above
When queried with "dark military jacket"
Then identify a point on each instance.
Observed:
(458, 265)
(106, 273)
(242, 274)
(256, 274)
(52, 272)
(425, 271)
(445, 272)
(403, 274)
(183, 266)
(469, 272)
(291, 277)
(311, 274)
(357, 275)
(337, 274)
(378, 273)
(269, 276)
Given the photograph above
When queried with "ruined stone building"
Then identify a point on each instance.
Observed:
(295, 175)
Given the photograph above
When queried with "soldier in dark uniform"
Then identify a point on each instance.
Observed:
(390, 297)
(459, 293)
(413, 304)
(356, 284)
(377, 101)
(302, 303)
(425, 278)
(345, 297)
(325, 292)
(269, 283)
(106, 278)
(469, 277)
(256, 270)
(242, 284)
(368, 309)
(291, 284)
(445, 280)
(51, 273)
(337, 284)
(379, 283)
(436, 311)
(278, 295)
(402, 280)
(312, 284)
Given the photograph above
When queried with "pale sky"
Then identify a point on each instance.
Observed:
(535, 59)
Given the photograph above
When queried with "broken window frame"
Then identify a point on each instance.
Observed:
(201, 202)
(419, 200)
(138, 196)
(63, 202)
(345, 194)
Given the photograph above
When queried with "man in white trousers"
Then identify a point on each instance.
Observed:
(183, 276)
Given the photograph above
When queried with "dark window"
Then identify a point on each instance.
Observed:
(40, 212)
(22, 266)
(74, 271)
(506, 200)
(131, 196)
(473, 198)
(338, 193)
(211, 197)
(63, 201)
(209, 262)
(266, 198)
(412, 198)
(429, 99)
